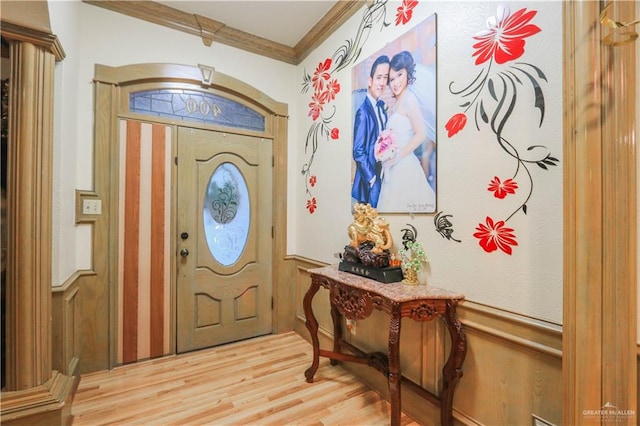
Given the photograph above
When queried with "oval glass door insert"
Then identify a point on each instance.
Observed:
(226, 214)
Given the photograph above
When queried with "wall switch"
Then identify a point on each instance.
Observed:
(88, 206)
(91, 206)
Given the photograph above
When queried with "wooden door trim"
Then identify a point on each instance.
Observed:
(165, 75)
(111, 84)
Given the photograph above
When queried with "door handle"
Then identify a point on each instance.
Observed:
(184, 252)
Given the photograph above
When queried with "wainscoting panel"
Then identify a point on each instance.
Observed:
(144, 264)
(65, 312)
(513, 368)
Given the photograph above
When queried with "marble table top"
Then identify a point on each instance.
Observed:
(397, 292)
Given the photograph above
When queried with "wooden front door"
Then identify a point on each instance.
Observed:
(224, 239)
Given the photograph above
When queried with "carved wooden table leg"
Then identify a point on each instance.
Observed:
(312, 326)
(395, 374)
(452, 370)
(337, 331)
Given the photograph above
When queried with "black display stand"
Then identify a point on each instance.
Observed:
(383, 275)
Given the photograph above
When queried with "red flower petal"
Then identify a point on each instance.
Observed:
(504, 40)
(495, 236)
(315, 107)
(321, 73)
(455, 124)
(405, 11)
(311, 205)
(501, 189)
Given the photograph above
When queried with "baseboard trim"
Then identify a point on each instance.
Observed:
(48, 404)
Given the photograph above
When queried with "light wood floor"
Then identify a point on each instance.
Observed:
(254, 382)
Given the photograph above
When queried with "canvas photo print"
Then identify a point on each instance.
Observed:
(394, 124)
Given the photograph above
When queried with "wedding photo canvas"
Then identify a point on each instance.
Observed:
(394, 124)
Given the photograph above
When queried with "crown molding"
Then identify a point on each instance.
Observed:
(335, 17)
(210, 30)
(44, 39)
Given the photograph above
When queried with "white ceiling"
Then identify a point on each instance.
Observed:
(282, 21)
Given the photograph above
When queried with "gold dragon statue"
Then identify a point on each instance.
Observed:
(368, 226)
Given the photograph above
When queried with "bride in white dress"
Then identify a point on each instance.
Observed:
(404, 184)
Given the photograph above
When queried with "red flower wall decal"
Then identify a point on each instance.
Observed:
(501, 189)
(405, 11)
(311, 205)
(332, 89)
(325, 90)
(315, 107)
(321, 74)
(504, 39)
(455, 124)
(490, 99)
(495, 236)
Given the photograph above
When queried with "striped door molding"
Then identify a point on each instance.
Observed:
(144, 263)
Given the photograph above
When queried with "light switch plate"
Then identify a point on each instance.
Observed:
(91, 206)
(88, 206)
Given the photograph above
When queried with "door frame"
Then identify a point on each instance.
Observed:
(112, 86)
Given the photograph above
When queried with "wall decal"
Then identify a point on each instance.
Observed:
(405, 11)
(326, 86)
(444, 226)
(490, 100)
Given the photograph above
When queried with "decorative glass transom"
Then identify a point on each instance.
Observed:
(226, 214)
(191, 105)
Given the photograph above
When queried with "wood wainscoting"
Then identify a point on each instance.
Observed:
(65, 313)
(512, 371)
(51, 403)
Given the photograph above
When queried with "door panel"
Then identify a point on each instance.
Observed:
(144, 241)
(224, 238)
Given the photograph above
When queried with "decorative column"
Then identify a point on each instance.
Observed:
(619, 210)
(29, 208)
(599, 359)
(34, 393)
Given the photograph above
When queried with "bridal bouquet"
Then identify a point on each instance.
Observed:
(385, 147)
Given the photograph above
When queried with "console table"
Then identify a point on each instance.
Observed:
(355, 298)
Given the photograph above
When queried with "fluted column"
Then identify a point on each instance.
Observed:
(29, 222)
(620, 254)
(599, 361)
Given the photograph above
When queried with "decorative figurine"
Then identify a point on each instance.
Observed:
(368, 226)
(368, 251)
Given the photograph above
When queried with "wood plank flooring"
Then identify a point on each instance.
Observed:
(253, 382)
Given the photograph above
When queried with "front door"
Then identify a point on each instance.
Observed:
(224, 238)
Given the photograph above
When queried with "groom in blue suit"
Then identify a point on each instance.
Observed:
(370, 120)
